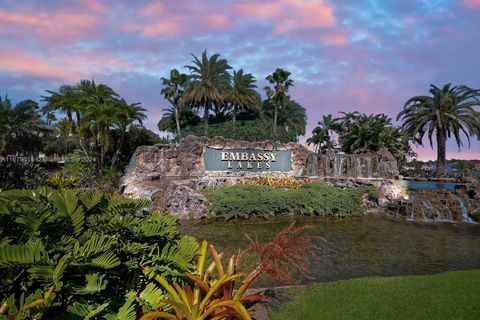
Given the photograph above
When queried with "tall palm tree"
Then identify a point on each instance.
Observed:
(277, 92)
(67, 100)
(447, 111)
(172, 91)
(125, 115)
(209, 80)
(100, 101)
(322, 134)
(242, 95)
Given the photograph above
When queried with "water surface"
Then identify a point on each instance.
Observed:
(366, 245)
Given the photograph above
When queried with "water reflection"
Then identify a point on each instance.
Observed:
(359, 246)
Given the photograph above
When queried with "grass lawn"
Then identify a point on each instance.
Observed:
(451, 295)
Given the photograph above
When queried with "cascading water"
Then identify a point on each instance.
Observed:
(435, 206)
(312, 168)
(463, 208)
(369, 167)
(357, 167)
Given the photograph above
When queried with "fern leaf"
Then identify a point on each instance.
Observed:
(106, 261)
(90, 199)
(94, 284)
(86, 311)
(151, 297)
(127, 311)
(13, 255)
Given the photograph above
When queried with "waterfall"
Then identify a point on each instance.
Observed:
(369, 167)
(312, 168)
(357, 167)
(338, 165)
(463, 208)
(326, 165)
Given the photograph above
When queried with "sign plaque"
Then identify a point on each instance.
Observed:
(254, 160)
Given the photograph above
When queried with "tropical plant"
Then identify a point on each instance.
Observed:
(172, 91)
(83, 249)
(21, 174)
(242, 94)
(251, 130)
(322, 134)
(291, 116)
(284, 182)
(207, 297)
(125, 115)
(277, 92)
(448, 111)
(248, 200)
(208, 83)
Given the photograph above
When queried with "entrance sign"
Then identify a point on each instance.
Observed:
(236, 160)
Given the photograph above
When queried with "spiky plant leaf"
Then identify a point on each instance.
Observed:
(157, 224)
(94, 284)
(106, 261)
(86, 311)
(90, 199)
(14, 255)
(151, 297)
(127, 311)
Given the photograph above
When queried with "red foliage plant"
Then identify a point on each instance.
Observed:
(286, 255)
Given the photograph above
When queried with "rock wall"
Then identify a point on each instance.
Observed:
(172, 175)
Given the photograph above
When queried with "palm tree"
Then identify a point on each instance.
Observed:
(209, 80)
(277, 92)
(125, 115)
(172, 90)
(99, 115)
(67, 100)
(242, 94)
(448, 111)
(292, 116)
(322, 134)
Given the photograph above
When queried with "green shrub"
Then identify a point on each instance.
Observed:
(79, 253)
(17, 175)
(252, 130)
(245, 201)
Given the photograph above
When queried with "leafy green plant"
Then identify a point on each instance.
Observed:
(18, 174)
(284, 182)
(211, 292)
(88, 246)
(245, 201)
(252, 130)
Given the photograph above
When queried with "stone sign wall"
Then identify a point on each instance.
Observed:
(172, 175)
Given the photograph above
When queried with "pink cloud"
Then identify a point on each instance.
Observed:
(31, 65)
(63, 66)
(217, 21)
(472, 3)
(93, 5)
(161, 28)
(288, 15)
(153, 8)
(46, 25)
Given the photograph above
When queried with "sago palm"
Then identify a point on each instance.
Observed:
(448, 111)
(209, 80)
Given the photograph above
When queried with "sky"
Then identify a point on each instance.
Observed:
(343, 55)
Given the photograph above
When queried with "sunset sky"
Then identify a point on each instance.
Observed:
(344, 55)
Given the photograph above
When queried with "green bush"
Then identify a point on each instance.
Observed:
(80, 254)
(253, 130)
(17, 175)
(245, 201)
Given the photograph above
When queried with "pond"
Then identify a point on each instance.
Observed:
(420, 184)
(367, 245)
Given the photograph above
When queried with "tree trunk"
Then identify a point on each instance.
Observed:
(177, 121)
(120, 144)
(234, 116)
(275, 122)
(441, 151)
(205, 117)
(80, 139)
(102, 150)
(70, 120)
